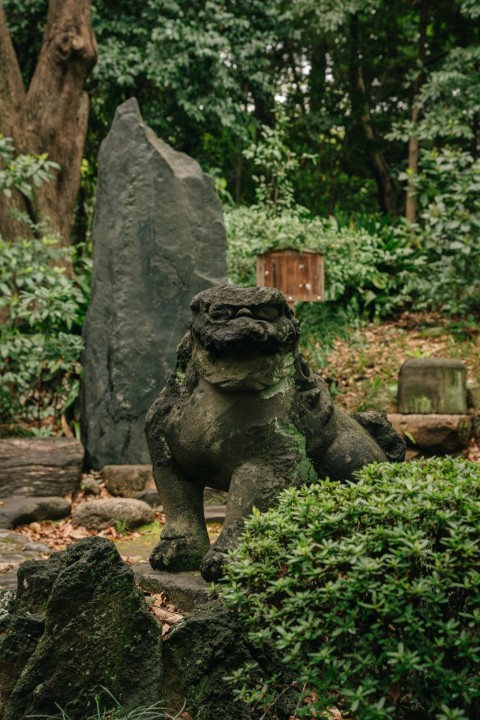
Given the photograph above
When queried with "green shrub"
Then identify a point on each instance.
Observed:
(371, 591)
(448, 195)
(42, 310)
(365, 273)
(22, 172)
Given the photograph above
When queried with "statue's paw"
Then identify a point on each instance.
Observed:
(213, 565)
(176, 554)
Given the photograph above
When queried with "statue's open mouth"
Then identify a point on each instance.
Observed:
(246, 334)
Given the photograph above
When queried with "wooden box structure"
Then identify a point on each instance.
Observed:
(300, 275)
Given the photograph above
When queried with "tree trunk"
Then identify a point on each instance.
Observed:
(51, 117)
(238, 176)
(387, 185)
(413, 144)
(12, 100)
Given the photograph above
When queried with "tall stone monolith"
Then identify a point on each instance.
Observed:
(159, 238)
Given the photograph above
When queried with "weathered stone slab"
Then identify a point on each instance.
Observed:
(40, 466)
(159, 238)
(187, 591)
(127, 480)
(432, 386)
(22, 510)
(99, 514)
(436, 434)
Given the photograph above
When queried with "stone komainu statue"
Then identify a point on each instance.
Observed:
(243, 412)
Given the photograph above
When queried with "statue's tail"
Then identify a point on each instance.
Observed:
(381, 429)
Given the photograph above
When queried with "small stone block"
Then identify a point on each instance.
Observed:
(432, 385)
(434, 434)
(186, 591)
(127, 480)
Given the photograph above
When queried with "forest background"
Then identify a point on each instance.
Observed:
(350, 127)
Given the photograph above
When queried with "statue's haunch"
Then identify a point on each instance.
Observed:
(243, 412)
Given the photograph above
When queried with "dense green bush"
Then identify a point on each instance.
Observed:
(448, 194)
(365, 272)
(42, 307)
(370, 591)
(42, 310)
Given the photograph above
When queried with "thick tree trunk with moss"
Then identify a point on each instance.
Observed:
(51, 115)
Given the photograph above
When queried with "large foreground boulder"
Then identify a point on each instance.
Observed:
(204, 649)
(159, 238)
(208, 646)
(78, 629)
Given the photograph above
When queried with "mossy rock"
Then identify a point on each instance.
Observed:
(79, 627)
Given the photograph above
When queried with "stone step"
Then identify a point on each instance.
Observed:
(435, 433)
(186, 591)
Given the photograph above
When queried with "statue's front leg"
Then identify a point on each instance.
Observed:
(252, 485)
(184, 540)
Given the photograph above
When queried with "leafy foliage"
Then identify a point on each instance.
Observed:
(448, 192)
(194, 69)
(370, 591)
(21, 172)
(365, 273)
(274, 162)
(208, 75)
(42, 310)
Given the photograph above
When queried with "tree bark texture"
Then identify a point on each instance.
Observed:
(52, 115)
(388, 188)
(413, 144)
(387, 185)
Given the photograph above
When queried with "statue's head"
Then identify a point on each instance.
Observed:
(231, 318)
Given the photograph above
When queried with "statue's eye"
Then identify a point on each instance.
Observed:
(267, 312)
(220, 312)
